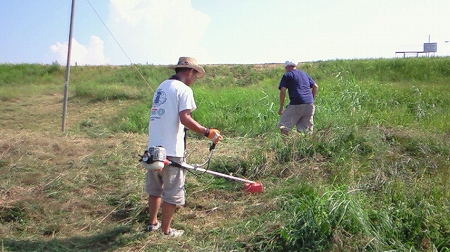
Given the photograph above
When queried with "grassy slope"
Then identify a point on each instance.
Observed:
(374, 175)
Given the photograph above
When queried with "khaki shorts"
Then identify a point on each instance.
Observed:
(167, 183)
(300, 116)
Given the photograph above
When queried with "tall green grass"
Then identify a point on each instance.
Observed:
(430, 70)
(243, 99)
(26, 74)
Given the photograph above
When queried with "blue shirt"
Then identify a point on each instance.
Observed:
(298, 84)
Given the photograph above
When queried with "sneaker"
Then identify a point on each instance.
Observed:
(153, 227)
(174, 233)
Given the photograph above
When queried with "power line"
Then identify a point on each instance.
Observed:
(121, 48)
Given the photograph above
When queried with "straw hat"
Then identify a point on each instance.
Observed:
(188, 62)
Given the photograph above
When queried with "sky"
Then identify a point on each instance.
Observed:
(123, 32)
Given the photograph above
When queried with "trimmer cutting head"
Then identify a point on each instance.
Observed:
(255, 187)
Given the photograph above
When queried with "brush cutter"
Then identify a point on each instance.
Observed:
(155, 159)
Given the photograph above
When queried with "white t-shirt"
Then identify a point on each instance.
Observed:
(165, 128)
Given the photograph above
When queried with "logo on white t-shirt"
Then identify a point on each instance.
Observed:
(160, 98)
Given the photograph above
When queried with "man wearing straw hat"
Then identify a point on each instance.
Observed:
(171, 110)
(302, 91)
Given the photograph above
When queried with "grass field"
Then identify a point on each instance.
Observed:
(374, 176)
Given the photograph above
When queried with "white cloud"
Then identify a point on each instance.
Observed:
(156, 31)
(92, 54)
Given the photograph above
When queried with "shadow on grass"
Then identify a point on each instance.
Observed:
(108, 241)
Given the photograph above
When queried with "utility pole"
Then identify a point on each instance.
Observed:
(66, 83)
